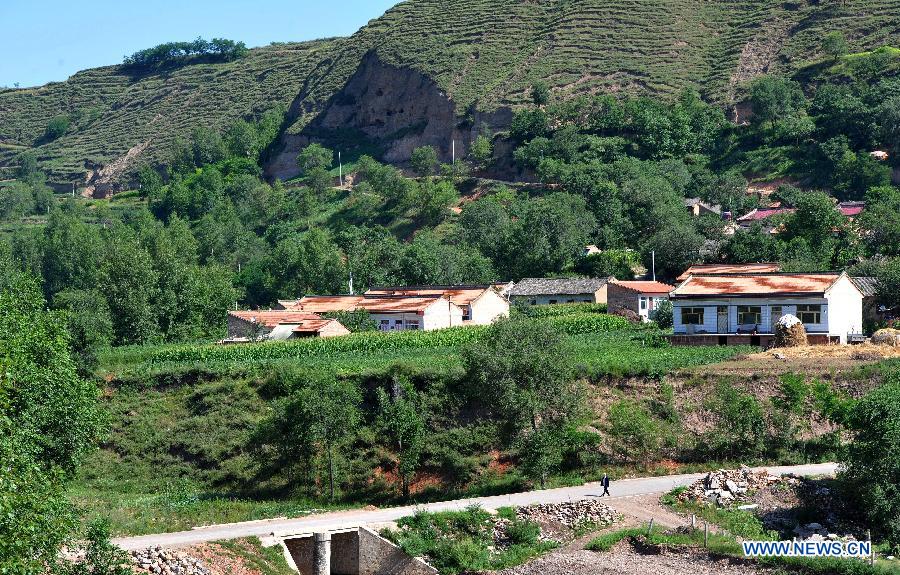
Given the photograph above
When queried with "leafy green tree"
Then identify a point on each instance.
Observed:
(637, 437)
(309, 264)
(89, 324)
(130, 284)
(482, 152)
(520, 371)
(242, 140)
(872, 464)
(889, 284)
(150, 183)
(676, 248)
(881, 220)
(424, 160)
(401, 416)
(315, 161)
(49, 421)
(28, 167)
(834, 45)
(740, 429)
(101, 557)
(208, 146)
(617, 263)
(433, 200)
(16, 201)
(663, 315)
(541, 452)
(540, 94)
(550, 234)
(57, 128)
(529, 124)
(749, 246)
(774, 98)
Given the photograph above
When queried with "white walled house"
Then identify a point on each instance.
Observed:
(246, 326)
(731, 308)
(390, 313)
(641, 297)
(480, 304)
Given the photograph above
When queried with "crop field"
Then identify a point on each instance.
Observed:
(602, 345)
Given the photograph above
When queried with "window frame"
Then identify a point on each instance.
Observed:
(699, 312)
(748, 310)
(816, 313)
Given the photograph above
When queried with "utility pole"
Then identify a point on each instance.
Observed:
(340, 171)
(453, 154)
(654, 264)
(351, 283)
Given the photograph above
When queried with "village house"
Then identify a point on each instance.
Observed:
(390, 313)
(480, 304)
(246, 326)
(743, 308)
(697, 207)
(640, 297)
(549, 291)
(764, 216)
(725, 269)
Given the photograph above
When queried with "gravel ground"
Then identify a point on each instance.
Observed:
(624, 560)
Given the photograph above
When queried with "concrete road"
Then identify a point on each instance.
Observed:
(355, 518)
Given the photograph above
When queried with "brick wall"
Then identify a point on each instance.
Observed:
(619, 298)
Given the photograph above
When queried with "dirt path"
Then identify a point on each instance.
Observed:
(640, 509)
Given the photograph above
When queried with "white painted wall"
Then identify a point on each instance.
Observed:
(788, 306)
(488, 307)
(845, 304)
(442, 314)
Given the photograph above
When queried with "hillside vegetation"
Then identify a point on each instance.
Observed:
(482, 54)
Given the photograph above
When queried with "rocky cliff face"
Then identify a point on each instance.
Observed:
(397, 108)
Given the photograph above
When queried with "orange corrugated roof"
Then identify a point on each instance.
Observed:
(756, 284)
(312, 325)
(646, 286)
(272, 318)
(396, 305)
(719, 269)
(460, 295)
(385, 304)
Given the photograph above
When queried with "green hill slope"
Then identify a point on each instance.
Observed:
(479, 54)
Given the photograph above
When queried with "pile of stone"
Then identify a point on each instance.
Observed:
(572, 514)
(789, 332)
(816, 532)
(167, 562)
(729, 486)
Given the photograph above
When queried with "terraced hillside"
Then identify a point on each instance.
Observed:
(467, 56)
(114, 112)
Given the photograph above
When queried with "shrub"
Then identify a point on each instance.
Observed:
(56, 128)
(740, 429)
(637, 436)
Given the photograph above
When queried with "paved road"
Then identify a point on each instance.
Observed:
(354, 518)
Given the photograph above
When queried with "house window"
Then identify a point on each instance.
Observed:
(570, 301)
(385, 325)
(412, 325)
(692, 316)
(809, 313)
(534, 302)
(643, 303)
(552, 301)
(467, 314)
(749, 314)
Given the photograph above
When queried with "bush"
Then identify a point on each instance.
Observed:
(873, 460)
(637, 436)
(740, 429)
(56, 128)
(663, 315)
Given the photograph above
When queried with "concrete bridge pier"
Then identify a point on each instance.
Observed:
(322, 554)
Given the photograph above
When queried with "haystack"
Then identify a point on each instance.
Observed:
(887, 336)
(789, 332)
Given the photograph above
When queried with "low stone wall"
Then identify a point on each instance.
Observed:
(761, 340)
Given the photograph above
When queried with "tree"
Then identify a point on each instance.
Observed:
(130, 284)
(663, 315)
(541, 452)
(617, 263)
(540, 94)
(482, 152)
(401, 416)
(208, 146)
(242, 140)
(315, 161)
(89, 324)
(881, 220)
(889, 284)
(28, 167)
(49, 421)
(424, 161)
(676, 247)
(774, 98)
(57, 128)
(521, 373)
(740, 429)
(636, 435)
(834, 45)
(872, 463)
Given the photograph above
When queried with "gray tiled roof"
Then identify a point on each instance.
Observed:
(557, 286)
(868, 286)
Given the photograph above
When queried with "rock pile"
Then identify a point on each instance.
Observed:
(728, 486)
(572, 514)
(167, 562)
(816, 532)
(789, 332)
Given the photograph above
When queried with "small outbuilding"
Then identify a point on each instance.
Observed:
(280, 325)
(549, 291)
(640, 297)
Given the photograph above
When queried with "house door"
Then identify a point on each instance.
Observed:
(776, 313)
(722, 317)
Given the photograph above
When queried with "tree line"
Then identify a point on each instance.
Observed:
(180, 53)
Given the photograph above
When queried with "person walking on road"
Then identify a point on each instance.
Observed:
(605, 484)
